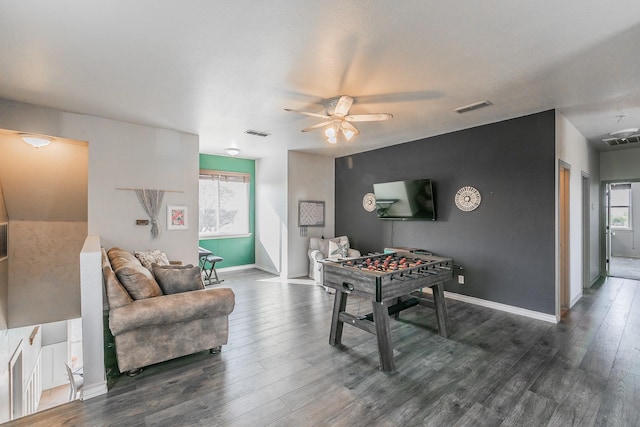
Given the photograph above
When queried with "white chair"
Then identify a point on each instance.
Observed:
(319, 250)
(75, 384)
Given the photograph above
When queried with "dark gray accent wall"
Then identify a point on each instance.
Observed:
(507, 245)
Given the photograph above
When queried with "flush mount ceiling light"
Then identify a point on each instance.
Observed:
(36, 141)
(232, 151)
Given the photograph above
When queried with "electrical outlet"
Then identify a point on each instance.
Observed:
(461, 279)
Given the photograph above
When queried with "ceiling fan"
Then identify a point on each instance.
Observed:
(338, 118)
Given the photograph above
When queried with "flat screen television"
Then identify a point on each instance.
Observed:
(405, 200)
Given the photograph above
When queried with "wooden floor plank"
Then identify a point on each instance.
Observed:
(496, 368)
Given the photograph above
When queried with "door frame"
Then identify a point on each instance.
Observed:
(605, 235)
(563, 294)
(586, 230)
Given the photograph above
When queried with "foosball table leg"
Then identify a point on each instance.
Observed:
(383, 335)
(339, 305)
(441, 310)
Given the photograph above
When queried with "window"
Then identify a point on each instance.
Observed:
(620, 204)
(224, 203)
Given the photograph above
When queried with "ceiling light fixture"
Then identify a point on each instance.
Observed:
(232, 151)
(624, 133)
(36, 141)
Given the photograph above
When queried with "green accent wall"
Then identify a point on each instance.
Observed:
(234, 250)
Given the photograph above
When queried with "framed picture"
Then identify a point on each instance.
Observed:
(310, 213)
(177, 217)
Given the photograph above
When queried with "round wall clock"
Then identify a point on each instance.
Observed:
(369, 202)
(467, 199)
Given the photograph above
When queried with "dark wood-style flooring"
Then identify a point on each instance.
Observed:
(496, 369)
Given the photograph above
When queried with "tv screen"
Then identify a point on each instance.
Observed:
(405, 200)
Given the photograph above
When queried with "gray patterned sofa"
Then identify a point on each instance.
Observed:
(162, 315)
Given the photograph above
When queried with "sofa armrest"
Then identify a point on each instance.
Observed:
(316, 255)
(181, 307)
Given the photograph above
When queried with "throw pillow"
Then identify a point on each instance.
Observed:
(147, 258)
(138, 281)
(337, 249)
(174, 279)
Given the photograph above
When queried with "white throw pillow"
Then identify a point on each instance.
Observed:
(337, 249)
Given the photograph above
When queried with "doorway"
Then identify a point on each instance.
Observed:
(623, 238)
(564, 236)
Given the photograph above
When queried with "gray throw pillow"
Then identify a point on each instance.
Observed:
(174, 279)
(138, 281)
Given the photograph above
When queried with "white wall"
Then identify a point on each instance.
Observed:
(574, 149)
(310, 177)
(620, 164)
(44, 271)
(271, 213)
(122, 155)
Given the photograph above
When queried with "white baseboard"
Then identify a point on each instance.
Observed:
(94, 391)
(268, 270)
(575, 299)
(236, 268)
(502, 307)
(498, 306)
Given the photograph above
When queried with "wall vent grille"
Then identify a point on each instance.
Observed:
(257, 133)
(474, 106)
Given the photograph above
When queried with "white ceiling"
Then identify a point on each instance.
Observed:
(218, 68)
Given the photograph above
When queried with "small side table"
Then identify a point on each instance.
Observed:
(208, 265)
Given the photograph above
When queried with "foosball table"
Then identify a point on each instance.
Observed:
(393, 282)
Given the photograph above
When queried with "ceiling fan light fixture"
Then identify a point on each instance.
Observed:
(330, 132)
(232, 151)
(348, 134)
(36, 141)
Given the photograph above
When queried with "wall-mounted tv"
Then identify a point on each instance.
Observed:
(405, 200)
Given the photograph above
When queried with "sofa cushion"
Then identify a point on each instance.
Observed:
(174, 279)
(117, 295)
(137, 280)
(148, 258)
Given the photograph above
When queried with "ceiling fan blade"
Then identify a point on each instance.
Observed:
(316, 126)
(368, 117)
(306, 113)
(350, 127)
(343, 105)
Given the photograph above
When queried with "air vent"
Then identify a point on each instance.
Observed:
(474, 106)
(622, 141)
(257, 133)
